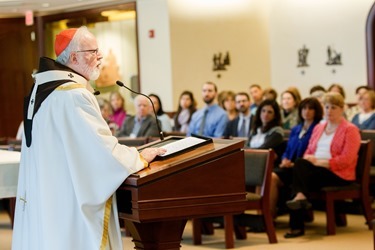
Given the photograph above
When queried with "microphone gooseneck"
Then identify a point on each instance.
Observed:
(121, 84)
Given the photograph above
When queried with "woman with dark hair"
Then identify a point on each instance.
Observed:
(310, 113)
(166, 125)
(186, 107)
(266, 131)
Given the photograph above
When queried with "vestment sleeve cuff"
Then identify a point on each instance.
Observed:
(145, 163)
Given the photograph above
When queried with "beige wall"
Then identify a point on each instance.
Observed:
(199, 29)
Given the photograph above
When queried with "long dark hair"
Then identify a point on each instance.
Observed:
(160, 111)
(276, 120)
(192, 108)
(314, 104)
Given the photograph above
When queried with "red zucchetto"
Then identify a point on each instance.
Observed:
(63, 39)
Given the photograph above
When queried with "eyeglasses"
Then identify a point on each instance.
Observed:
(92, 51)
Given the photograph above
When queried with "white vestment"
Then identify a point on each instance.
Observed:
(69, 175)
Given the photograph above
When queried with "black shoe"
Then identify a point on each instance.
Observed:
(294, 234)
(298, 204)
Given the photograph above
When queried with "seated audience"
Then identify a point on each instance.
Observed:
(266, 131)
(310, 112)
(317, 88)
(335, 87)
(162, 116)
(118, 111)
(187, 106)
(106, 110)
(270, 93)
(318, 92)
(211, 120)
(256, 94)
(355, 109)
(228, 103)
(240, 126)
(289, 109)
(365, 119)
(296, 92)
(330, 160)
(142, 124)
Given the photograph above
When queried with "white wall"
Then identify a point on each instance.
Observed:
(154, 53)
(318, 24)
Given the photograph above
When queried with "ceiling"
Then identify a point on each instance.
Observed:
(17, 8)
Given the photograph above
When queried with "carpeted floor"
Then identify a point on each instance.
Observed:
(354, 236)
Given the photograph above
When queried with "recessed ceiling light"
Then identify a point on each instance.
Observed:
(45, 5)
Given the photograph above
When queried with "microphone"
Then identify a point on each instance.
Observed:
(96, 92)
(161, 135)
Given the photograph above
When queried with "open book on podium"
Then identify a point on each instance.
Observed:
(177, 145)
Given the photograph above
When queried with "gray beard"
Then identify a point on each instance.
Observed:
(94, 74)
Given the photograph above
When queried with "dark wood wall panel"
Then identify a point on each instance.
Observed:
(19, 58)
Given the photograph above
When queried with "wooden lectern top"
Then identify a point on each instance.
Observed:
(171, 165)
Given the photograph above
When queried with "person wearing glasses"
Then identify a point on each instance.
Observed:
(71, 165)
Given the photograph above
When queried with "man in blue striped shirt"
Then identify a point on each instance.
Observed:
(211, 120)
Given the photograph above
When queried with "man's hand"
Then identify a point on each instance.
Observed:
(150, 153)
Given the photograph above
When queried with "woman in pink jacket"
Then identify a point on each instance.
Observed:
(330, 160)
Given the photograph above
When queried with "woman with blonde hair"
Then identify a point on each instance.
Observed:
(330, 160)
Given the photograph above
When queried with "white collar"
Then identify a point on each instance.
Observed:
(54, 75)
(50, 76)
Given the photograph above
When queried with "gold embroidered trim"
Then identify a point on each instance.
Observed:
(70, 86)
(107, 214)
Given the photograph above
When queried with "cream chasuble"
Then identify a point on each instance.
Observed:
(68, 176)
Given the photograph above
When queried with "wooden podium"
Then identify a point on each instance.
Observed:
(207, 181)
